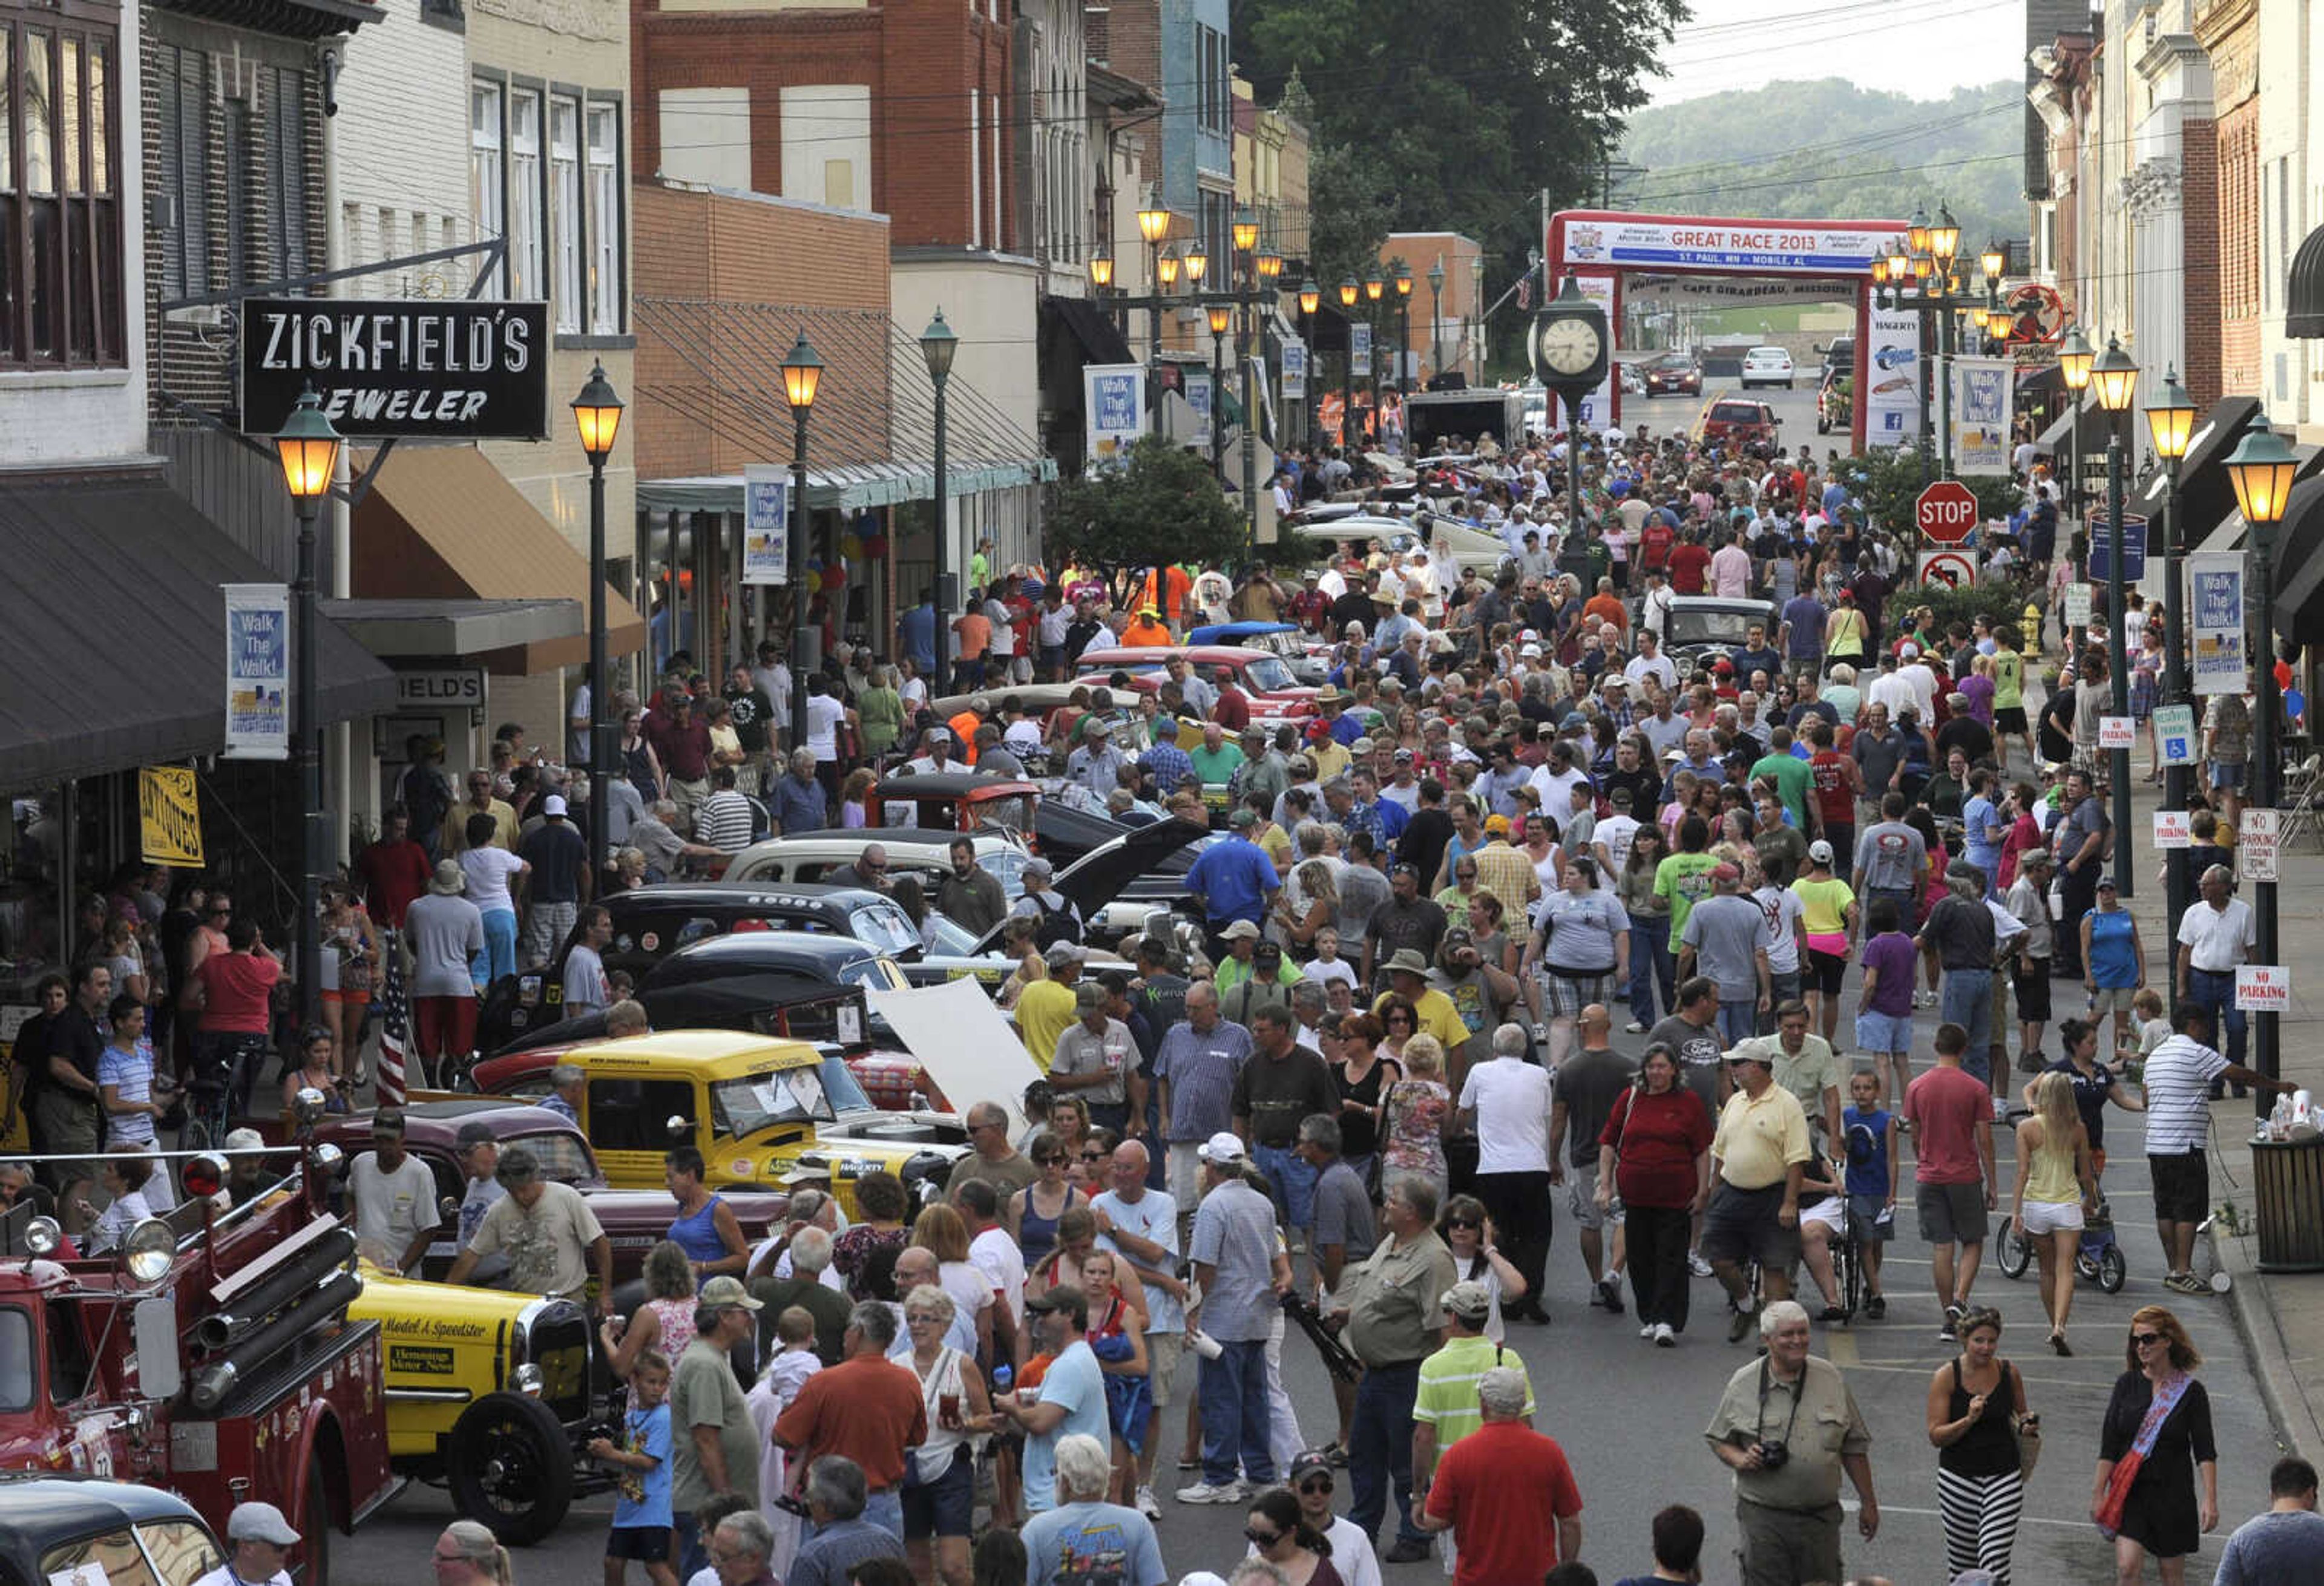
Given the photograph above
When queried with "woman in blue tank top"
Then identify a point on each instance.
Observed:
(705, 1227)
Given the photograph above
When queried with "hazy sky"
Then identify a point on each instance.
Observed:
(1924, 48)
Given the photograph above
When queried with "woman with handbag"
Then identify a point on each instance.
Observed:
(1985, 1442)
(2155, 1443)
(1654, 1153)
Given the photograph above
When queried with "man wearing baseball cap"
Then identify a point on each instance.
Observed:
(1446, 1410)
(1243, 1274)
(262, 1540)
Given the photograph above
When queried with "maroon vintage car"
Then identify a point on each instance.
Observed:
(633, 1219)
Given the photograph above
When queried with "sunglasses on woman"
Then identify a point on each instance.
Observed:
(1258, 1538)
(2143, 1339)
(1460, 1223)
(1054, 1159)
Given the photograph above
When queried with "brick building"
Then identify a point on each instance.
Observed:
(2230, 32)
(726, 282)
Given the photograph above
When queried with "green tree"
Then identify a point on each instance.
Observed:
(1163, 505)
(1453, 116)
(1870, 154)
(1889, 481)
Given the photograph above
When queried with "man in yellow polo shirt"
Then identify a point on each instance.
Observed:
(1761, 1154)
(1046, 1009)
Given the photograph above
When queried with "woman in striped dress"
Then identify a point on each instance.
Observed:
(1973, 1400)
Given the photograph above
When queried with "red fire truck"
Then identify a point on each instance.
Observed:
(208, 1351)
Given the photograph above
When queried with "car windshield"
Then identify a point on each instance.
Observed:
(1676, 363)
(15, 1360)
(1709, 626)
(755, 1103)
(885, 926)
(1269, 675)
(1736, 412)
(160, 1552)
(877, 974)
(949, 938)
(839, 1087)
(563, 1157)
(1007, 866)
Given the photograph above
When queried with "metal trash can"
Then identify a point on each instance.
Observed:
(2288, 1203)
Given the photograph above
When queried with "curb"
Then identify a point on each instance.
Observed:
(2249, 1306)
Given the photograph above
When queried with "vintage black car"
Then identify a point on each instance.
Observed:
(71, 1528)
(651, 923)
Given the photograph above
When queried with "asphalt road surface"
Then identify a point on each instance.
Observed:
(1630, 1418)
(1795, 408)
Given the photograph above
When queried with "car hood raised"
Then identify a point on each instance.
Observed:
(1100, 876)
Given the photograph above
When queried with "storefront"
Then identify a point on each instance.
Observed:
(113, 638)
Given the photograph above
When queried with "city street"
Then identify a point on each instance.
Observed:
(1795, 408)
(1630, 1417)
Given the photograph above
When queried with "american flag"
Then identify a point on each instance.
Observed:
(394, 1029)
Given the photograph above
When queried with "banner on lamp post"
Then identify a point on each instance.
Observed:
(1980, 415)
(1294, 371)
(1113, 410)
(1359, 350)
(1892, 406)
(2215, 616)
(257, 672)
(765, 524)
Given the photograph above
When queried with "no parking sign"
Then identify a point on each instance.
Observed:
(1956, 569)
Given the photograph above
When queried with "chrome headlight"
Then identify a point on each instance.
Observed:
(42, 1236)
(528, 1380)
(149, 1251)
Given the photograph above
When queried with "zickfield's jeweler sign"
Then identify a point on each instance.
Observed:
(421, 369)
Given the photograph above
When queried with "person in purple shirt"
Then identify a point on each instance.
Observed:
(1884, 1009)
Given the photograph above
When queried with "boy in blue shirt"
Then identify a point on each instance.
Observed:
(1870, 1131)
(642, 1517)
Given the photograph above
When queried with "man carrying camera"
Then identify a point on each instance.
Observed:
(1787, 1426)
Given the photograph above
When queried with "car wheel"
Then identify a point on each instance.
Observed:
(509, 1466)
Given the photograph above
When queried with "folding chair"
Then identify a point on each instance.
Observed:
(2303, 802)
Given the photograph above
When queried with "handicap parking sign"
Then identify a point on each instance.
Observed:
(2174, 729)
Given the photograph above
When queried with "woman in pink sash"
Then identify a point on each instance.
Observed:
(2155, 1445)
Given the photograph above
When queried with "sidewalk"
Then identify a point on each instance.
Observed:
(2280, 1316)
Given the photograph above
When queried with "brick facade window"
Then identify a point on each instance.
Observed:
(60, 286)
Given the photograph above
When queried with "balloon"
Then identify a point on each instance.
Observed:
(850, 546)
(876, 546)
(835, 578)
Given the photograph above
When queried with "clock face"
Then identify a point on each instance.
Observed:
(1569, 346)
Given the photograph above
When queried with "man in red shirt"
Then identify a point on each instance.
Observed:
(1689, 561)
(865, 1408)
(1951, 1117)
(1505, 1492)
(392, 871)
(234, 991)
(1232, 711)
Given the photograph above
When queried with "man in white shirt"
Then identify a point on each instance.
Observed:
(1651, 662)
(1140, 1225)
(1506, 1101)
(1554, 780)
(1891, 689)
(2214, 937)
(392, 1194)
(1918, 677)
(262, 1540)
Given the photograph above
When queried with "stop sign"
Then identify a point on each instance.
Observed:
(1945, 513)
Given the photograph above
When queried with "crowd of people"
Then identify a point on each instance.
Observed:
(1530, 805)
